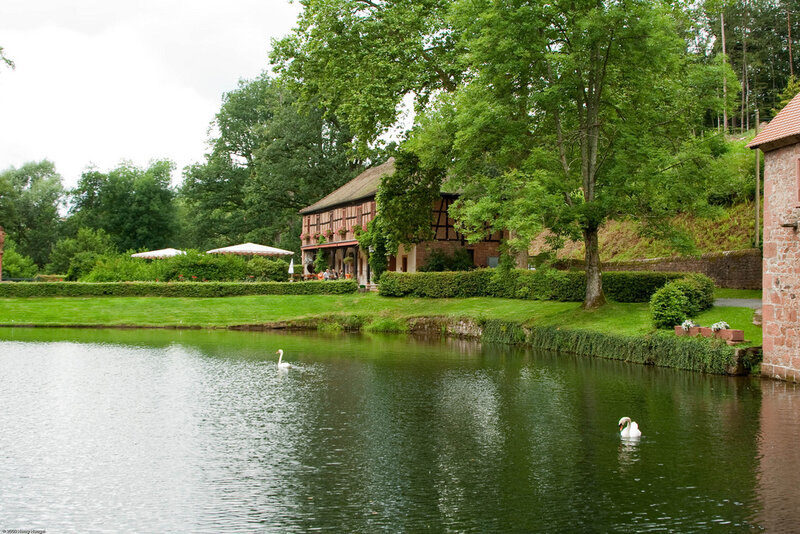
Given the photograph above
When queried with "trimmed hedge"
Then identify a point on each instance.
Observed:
(544, 284)
(181, 289)
(693, 354)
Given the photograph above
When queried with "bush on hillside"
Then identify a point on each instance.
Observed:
(680, 300)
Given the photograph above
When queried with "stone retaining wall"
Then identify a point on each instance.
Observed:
(737, 269)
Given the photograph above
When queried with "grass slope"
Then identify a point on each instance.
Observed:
(732, 229)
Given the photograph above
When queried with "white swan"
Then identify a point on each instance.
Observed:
(282, 364)
(631, 429)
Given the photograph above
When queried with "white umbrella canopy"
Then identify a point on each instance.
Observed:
(162, 253)
(252, 249)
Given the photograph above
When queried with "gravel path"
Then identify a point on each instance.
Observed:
(739, 303)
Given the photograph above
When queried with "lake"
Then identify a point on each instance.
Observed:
(168, 430)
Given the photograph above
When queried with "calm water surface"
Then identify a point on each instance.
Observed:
(148, 431)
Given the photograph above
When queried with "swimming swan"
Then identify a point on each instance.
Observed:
(631, 429)
(282, 364)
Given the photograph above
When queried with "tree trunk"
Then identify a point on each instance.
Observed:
(724, 78)
(594, 284)
(520, 256)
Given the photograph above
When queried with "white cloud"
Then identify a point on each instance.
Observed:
(98, 81)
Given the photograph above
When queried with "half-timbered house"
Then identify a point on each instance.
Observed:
(332, 224)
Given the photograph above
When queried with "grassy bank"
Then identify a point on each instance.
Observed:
(616, 318)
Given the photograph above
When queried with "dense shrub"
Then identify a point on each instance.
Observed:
(187, 289)
(681, 299)
(542, 284)
(192, 266)
(268, 270)
(81, 265)
(15, 265)
(122, 268)
(87, 240)
(197, 266)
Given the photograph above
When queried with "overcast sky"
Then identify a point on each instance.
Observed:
(100, 81)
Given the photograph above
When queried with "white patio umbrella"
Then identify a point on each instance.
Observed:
(252, 249)
(154, 254)
(291, 266)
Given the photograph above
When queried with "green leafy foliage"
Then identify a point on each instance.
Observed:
(15, 265)
(87, 240)
(29, 200)
(360, 59)
(272, 157)
(134, 206)
(268, 270)
(405, 199)
(378, 245)
(704, 355)
(320, 261)
(786, 96)
(680, 300)
(188, 289)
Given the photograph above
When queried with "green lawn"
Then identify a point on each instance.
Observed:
(631, 319)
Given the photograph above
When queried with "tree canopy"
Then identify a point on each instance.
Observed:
(30, 197)
(273, 156)
(134, 206)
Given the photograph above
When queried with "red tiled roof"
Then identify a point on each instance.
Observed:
(782, 130)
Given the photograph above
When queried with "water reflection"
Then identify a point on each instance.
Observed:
(199, 431)
(779, 454)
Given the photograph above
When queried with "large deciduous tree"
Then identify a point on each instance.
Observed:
(30, 197)
(134, 206)
(360, 58)
(578, 112)
(560, 114)
(272, 156)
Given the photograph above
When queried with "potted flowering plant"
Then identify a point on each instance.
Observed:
(329, 233)
(685, 329)
(357, 229)
(722, 325)
(342, 231)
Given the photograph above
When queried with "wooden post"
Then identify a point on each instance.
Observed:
(758, 188)
(789, 27)
(724, 78)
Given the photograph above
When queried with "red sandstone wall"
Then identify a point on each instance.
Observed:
(781, 279)
(738, 269)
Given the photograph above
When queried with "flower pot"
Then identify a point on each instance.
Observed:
(679, 331)
(706, 332)
(730, 334)
(694, 331)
